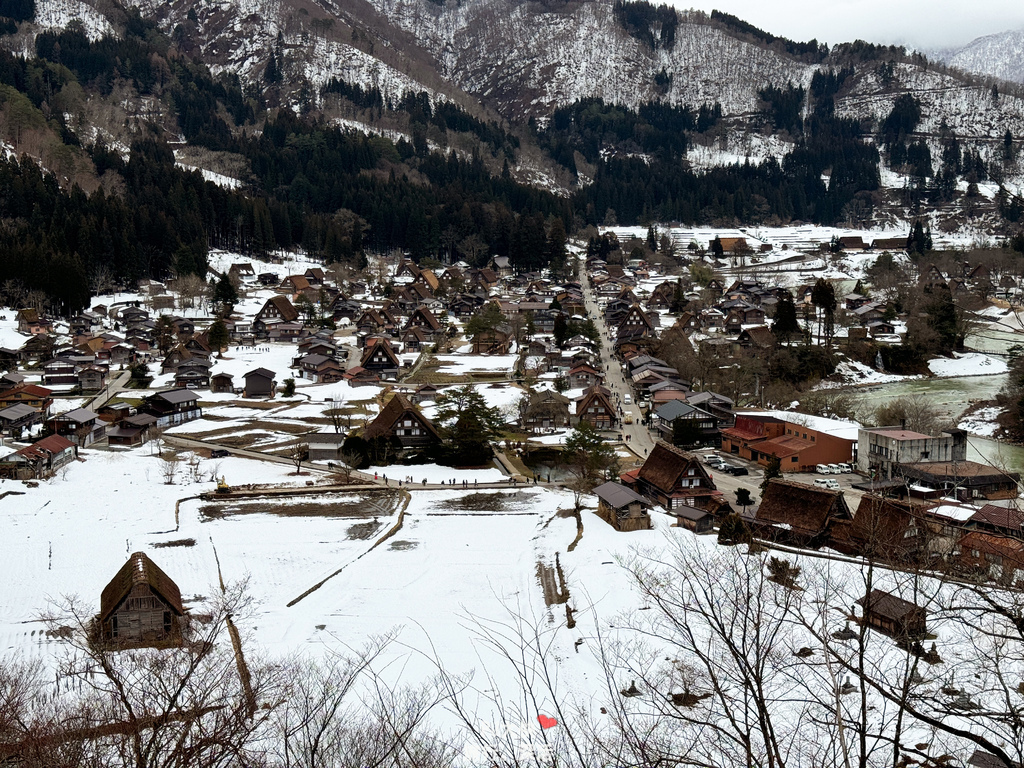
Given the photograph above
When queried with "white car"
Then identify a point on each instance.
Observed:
(827, 482)
(835, 469)
(627, 399)
(823, 469)
(845, 468)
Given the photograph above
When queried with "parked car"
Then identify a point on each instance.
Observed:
(835, 469)
(846, 468)
(736, 469)
(218, 453)
(823, 469)
(827, 482)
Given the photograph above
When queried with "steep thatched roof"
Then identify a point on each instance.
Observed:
(389, 415)
(665, 464)
(806, 509)
(139, 570)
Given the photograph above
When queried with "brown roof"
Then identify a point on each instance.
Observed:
(1006, 518)
(987, 543)
(782, 447)
(664, 465)
(806, 509)
(299, 282)
(372, 345)
(760, 336)
(428, 318)
(880, 525)
(139, 570)
(389, 415)
(887, 606)
(284, 307)
(430, 279)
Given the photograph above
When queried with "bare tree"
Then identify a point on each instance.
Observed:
(298, 453)
(339, 415)
(189, 287)
(169, 461)
(178, 705)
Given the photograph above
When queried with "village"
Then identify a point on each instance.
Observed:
(311, 395)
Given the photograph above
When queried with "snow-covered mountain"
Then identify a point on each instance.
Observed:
(520, 59)
(1000, 55)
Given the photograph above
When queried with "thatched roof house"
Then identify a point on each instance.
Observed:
(141, 604)
(673, 478)
(801, 514)
(402, 420)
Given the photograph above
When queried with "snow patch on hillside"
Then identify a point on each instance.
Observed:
(225, 182)
(58, 14)
(970, 364)
(754, 148)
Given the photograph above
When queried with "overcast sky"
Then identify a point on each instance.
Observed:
(922, 24)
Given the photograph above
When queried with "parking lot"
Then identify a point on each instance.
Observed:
(729, 483)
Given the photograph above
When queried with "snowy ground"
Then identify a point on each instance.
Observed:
(463, 364)
(460, 559)
(970, 364)
(982, 422)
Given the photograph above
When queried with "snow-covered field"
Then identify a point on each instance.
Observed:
(969, 364)
(982, 422)
(462, 364)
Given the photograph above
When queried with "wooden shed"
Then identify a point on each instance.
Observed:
(141, 605)
(894, 616)
(622, 508)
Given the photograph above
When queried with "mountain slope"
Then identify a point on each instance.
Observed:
(1000, 55)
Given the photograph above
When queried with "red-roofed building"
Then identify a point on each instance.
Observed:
(798, 445)
(38, 460)
(28, 394)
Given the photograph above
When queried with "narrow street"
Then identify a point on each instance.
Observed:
(639, 439)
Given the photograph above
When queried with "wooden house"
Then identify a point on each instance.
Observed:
(326, 446)
(801, 514)
(893, 615)
(546, 409)
(222, 383)
(402, 421)
(174, 406)
(141, 605)
(131, 431)
(414, 339)
(622, 508)
(493, 341)
(28, 394)
(81, 426)
(584, 376)
(989, 557)
(673, 478)
(694, 519)
(59, 372)
(259, 382)
(381, 358)
(277, 309)
(422, 317)
(15, 419)
(39, 460)
(31, 321)
(357, 376)
(595, 408)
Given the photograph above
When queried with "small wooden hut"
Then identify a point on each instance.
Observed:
(141, 605)
(894, 616)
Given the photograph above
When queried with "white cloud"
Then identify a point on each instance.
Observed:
(922, 24)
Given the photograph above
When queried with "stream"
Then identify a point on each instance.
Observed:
(953, 396)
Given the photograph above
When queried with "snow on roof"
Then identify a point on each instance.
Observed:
(841, 428)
